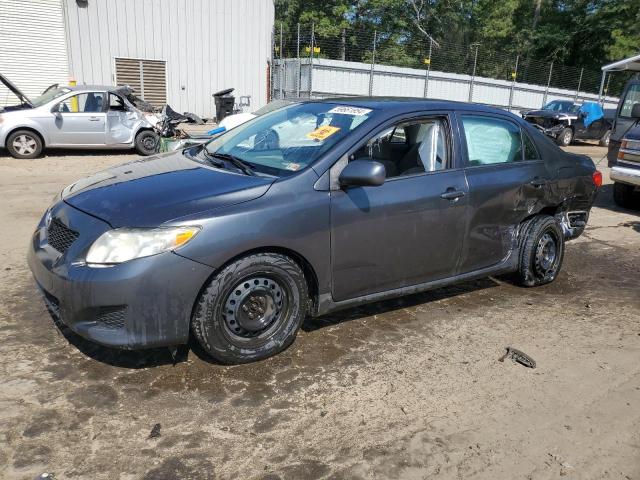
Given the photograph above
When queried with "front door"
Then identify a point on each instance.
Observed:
(409, 230)
(507, 180)
(80, 120)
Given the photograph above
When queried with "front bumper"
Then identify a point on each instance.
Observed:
(142, 303)
(630, 176)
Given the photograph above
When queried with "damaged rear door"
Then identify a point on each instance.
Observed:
(507, 179)
(123, 121)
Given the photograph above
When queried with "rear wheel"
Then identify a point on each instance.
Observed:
(604, 141)
(147, 142)
(252, 309)
(623, 194)
(24, 144)
(541, 251)
(565, 137)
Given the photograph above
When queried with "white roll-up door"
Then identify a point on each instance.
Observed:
(147, 77)
(33, 52)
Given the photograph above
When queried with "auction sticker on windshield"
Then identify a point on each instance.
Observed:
(346, 110)
(322, 133)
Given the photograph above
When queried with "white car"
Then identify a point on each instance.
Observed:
(74, 117)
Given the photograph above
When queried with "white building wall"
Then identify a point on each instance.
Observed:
(209, 45)
(33, 53)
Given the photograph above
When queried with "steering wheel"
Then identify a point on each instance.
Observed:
(266, 140)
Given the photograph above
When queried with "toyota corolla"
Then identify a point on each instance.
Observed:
(314, 207)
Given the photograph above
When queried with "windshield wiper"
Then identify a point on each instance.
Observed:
(235, 161)
(210, 158)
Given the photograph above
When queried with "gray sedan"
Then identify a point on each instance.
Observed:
(95, 117)
(308, 209)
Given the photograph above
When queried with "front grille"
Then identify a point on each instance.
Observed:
(60, 236)
(112, 317)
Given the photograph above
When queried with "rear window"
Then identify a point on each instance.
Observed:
(632, 97)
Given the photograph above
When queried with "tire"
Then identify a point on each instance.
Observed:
(252, 309)
(564, 137)
(147, 143)
(623, 194)
(24, 144)
(604, 141)
(541, 251)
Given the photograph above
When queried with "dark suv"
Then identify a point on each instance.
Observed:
(311, 208)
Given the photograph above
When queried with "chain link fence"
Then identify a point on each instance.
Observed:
(361, 62)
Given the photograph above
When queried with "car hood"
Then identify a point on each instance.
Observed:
(17, 92)
(156, 190)
(548, 114)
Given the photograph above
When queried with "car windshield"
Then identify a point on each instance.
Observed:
(562, 107)
(289, 139)
(50, 95)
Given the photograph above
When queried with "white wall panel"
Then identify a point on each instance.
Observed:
(209, 45)
(33, 52)
(337, 77)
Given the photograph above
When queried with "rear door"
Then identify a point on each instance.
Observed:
(409, 230)
(623, 122)
(80, 120)
(121, 122)
(506, 180)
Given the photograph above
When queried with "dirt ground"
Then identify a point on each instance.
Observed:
(409, 388)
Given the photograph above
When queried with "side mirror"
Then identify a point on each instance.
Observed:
(635, 110)
(363, 173)
(57, 108)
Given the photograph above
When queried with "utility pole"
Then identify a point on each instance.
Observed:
(473, 75)
(373, 62)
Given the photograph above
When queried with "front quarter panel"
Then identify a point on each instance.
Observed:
(33, 118)
(291, 216)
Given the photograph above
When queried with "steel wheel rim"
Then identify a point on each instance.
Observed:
(148, 142)
(24, 144)
(255, 308)
(567, 137)
(546, 254)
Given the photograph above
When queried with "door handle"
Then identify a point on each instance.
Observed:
(452, 194)
(94, 119)
(538, 182)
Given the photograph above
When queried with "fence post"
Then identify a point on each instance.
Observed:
(373, 62)
(546, 90)
(271, 90)
(311, 60)
(473, 75)
(282, 72)
(575, 98)
(426, 75)
(514, 76)
(299, 73)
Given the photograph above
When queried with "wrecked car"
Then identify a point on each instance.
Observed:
(238, 240)
(566, 121)
(95, 117)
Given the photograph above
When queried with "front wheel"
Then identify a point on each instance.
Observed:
(24, 144)
(565, 137)
(541, 251)
(252, 309)
(147, 142)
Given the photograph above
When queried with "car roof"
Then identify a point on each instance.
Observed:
(412, 103)
(90, 88)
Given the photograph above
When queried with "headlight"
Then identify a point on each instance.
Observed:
(124, 244)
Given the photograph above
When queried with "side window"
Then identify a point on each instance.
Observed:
(632, 97)
(83, 103)
(409, 148)
(491, 140)
(116, 103)
(530, 150)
